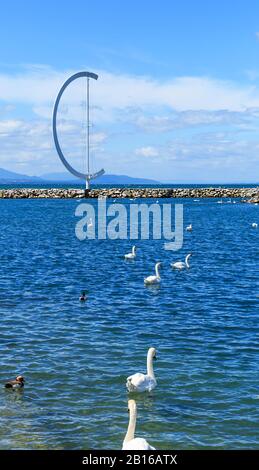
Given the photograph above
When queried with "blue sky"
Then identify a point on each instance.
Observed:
(177, 97)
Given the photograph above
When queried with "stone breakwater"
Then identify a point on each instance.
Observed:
(249, 194)
(254, 200)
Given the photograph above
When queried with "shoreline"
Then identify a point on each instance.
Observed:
(251, 194)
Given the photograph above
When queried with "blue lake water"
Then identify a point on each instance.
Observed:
(75, 357)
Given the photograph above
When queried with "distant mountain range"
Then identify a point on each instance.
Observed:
(9, 177)
(105, 179)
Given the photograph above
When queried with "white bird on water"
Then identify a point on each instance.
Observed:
(181, 264)
(189, 228)
(130, 441)
(153, 279)
(90, 224)
(131, 255)
(143, 382)
(254, 225)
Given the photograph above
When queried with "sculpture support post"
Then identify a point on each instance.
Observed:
(88, 138)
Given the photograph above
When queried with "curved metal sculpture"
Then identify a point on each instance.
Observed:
(87, 176)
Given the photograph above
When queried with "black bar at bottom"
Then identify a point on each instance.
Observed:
(118, 459)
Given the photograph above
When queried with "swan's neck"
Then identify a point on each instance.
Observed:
(157, 271)
(132, 425)
(133, 250)
(187, 261)
(150, 370)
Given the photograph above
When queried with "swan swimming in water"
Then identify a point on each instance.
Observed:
(130, 442)
(131, 255)
(181, 264)
(189, 228)
(254, 225)
(154, 279)
(143, 382)
(90, 224)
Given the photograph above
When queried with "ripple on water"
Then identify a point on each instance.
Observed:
(76, 357)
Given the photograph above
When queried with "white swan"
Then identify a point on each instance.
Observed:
(254, 225)
(143, 382)
(131, 255)
(180, 264)
(90, 224)
(154, 279)
(189, 228)
(130, 442)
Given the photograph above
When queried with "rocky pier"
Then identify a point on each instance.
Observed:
(247, 194)
(250, 194)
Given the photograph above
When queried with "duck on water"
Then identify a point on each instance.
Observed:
(15, 384)
(83, 297)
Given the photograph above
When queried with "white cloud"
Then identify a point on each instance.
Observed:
(217, 148)
(27, 142)
(183, 119)
(122, 105)
(147, 152)
(39, 88)
(9, 126)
